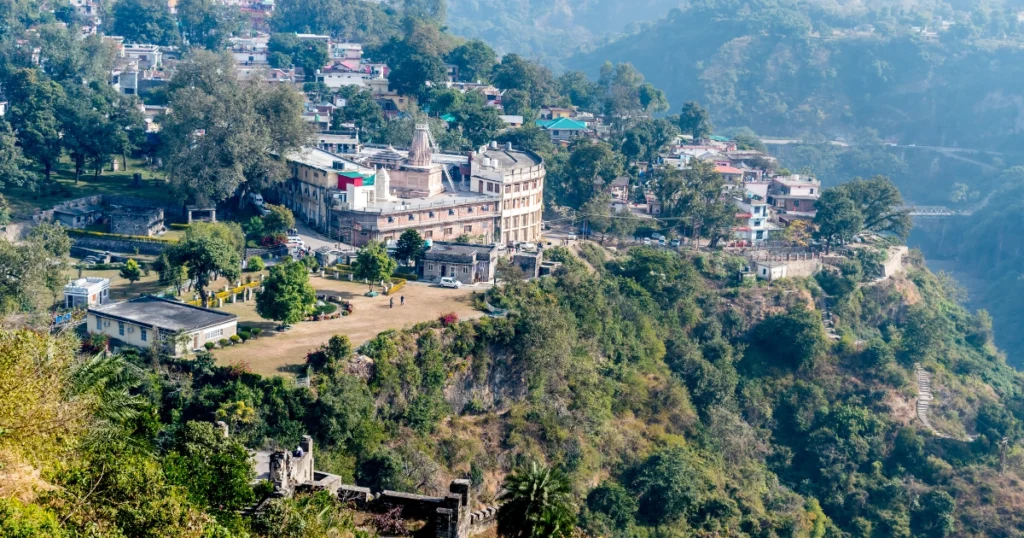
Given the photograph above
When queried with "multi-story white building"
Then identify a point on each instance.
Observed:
(517, 177)
(752, 224)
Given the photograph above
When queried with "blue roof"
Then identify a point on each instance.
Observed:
(562, 124)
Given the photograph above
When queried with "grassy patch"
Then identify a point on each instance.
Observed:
(63, 187)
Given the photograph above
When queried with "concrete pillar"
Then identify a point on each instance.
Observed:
(220, 302)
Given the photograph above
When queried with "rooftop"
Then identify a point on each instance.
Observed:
(322, 160)
(563, 124)
(510, 159)
(164, 314)
(85, 284)
(464, 252)
(446, 199)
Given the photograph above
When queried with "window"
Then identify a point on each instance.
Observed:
(517, 187)
(451, 212)
(447, 231)
(465, 270)
(469, 210)
(431, 214)
(796, 203)
(812, 191)
(429, 234)
(391, 219)
(467, 228)
(410, 216)
(508, 189)
(487, 207)
(142, 334)
(216, 333)
(99, 323)
(430, 267)
(120, 328)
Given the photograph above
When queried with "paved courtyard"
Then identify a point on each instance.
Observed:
(284, 353)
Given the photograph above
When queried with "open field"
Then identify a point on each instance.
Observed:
(63, 187)
(285, 353)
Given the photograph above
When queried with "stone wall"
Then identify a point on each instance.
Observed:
(134, 221)
(121, 245)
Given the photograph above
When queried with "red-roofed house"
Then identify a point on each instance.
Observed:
(729, 172)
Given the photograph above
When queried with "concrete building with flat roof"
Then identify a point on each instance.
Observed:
(86, 292)
(146, 320)
(464, 262)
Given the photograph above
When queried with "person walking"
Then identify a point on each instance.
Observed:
(402, 301)
(391, 303)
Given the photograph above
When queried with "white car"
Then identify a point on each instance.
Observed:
(449, 282)
(571, 237)
(647, 240)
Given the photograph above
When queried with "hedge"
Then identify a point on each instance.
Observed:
(180, 226)
(104, 235)
(406, 276)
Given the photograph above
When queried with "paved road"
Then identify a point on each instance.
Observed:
(314, 239)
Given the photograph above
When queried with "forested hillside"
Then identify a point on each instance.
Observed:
(677, 402)
(551, 30)
(801, 70)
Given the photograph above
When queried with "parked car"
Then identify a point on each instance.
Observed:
(657, 236)
(295, 242)
(674, 243)
(647, 240)
(661, 242)
(571, 237)
(449, 282)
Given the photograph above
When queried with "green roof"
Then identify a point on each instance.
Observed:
(368, 179)
(717, 138)
(448, 118)
(562, 124)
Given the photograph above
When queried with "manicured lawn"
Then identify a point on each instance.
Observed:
(63, 187)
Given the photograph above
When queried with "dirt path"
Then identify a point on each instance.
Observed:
(285, 353)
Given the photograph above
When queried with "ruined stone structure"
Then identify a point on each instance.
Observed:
(132, 221)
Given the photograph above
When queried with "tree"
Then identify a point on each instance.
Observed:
(131, 271)
(479, 124)
(205, 23)
(205, 257)
(51, 246)
(225, 135)
(528, 137)
(279, 219)
(475, 60)
(837, 218)
(312, 57)
(516, 102)
(517, 73)
(694, 195)
(35, 102)
(431, 10)
(695, 120)
(597, 213)
(574, 182)
(287, 295)
(373, 263)
(362, 110)
(145, 21)
(330, 355)
(580, 90)
(669, 485)
(652, 99)
(934, 517)
(215, 470)
(12, 162)
(415, 74)
(613, 500)
(537, 504)
(410, 246)
(794, 339)
(880, 205)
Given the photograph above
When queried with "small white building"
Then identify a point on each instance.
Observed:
(771, 270)
(143, 321)
(86, 292)
(752, 224)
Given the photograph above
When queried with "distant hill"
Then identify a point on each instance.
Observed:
(801, 70)
(551, 30)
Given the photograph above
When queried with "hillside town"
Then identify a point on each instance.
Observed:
(254, 237)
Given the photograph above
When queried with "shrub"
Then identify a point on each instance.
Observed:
(235, 339)
(255, 263)
(396, 285)
(209, 346)
(326, 309)
(255, 331)
(449, 319)
(180, 226)
(405, 276)
(224, 342)
(244, 335)
(95, 343)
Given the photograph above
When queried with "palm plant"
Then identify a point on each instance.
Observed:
(537, 504)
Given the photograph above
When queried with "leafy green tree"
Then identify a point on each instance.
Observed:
(362, 110)
(279, 219)
(934, 516)
(205, 23)
(670, 485)
(580, 90)
(287, 295)
(475, 60)
(528, 137)
(205, 257)
(373, 263)
(695, 120)
(479, 124)
(410, 246)
(517, 73)
(225, 134)
(794, 339)
(35, 102)
(12, 161)
(415, 74)
(613, 500)
(695, 195)
(131, 271)
(516, 102)
(215, 470)
(652, 99)
(837, 218)
(537, 503)
(589, 162)
(312, 57)
(431, 10)
(880, 205)
(144, 21)
(51, 246)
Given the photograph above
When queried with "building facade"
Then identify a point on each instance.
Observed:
(86, 292)
(147, 320)
(517, 179)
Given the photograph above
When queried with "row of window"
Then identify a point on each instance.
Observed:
(451, 212)
(509, 189)
(529, 219)
(516, 203)
(143, 333)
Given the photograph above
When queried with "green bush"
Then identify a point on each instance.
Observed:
(235, 339)
(244, 335)
(224, 342)
(326, 309)
(255, 331)
(180, 226)
(209, 346)
(405, 276)
(255, 263)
